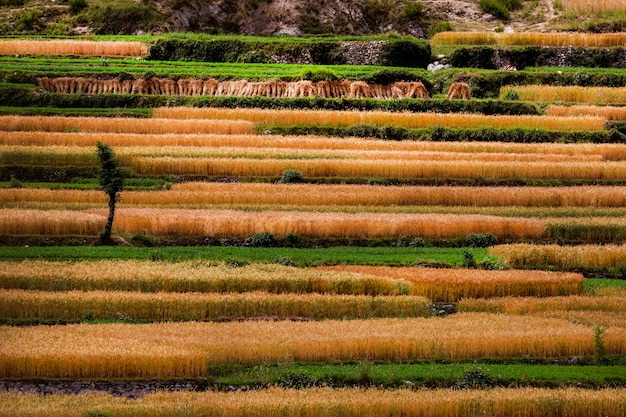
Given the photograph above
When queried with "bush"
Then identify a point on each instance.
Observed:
(297, 381)
(413, 10)
(481, 240)
(405, 53)
(291, 176)
(510, 95)
(441, 26)
(258, 240)
(316, 75)
(76, 6)
(475, 379)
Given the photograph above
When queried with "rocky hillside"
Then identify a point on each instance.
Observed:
(419, 18)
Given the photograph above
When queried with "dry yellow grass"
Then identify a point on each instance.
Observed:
(573, 94)
(528, 305)
(72, 47)
(582, 256)
(596, 7)
(185, 349)
(123, 125)
(327, 402)
(449, 285)
(161, 306)
(381, 118)
(220, 223)
(148, 276)
(208, 195)
(608, 112)
(534, 38)
(604, 151)
(53, 222)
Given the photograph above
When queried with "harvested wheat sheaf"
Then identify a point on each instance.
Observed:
(449, 285)
(213, 87)
(185, 349)
(328, 402)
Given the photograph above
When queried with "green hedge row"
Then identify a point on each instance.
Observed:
(537, 56)
(395, 53)
(19, 97)
(440, 134)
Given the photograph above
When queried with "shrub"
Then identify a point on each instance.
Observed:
(405, 53)
(475, 379)
(157, 256)
(481, 240)
(413, 10)
(418, 242)
(441, 26)
(76, 6)
(291, 176)
(510, 95)
(316, 75)
(297, 381)
(264, 239)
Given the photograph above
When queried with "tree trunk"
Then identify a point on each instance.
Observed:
(105, 236)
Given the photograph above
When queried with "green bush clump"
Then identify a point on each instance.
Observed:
(500, 8)
(441, 26)
(291, 176)
(406, 53)
(77, 6)
(481, 240)
(260, 240)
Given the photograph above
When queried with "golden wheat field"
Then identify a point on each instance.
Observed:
(205, 194)
(380, 118)
(604, 151)
(73, 47)
(190, 276)
(122, 125)
(451, 286)
(533, 305)
(572, 94)
(225, 223)
(580, 256)
(539, 38)
(184, 349)
(326, 402)
(609, 112)
(156, 307)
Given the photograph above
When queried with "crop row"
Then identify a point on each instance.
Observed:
(609, 152)
(532, 305)
(573, 94)
(327, 402)
(380, 118)
(541, 256)
(530, 38)
(72, 47)
(609, 112)
(185, 349)
(229, 223)
(213, 87)
(77, 305)
(436, 284)
(208, 194)
(83, 156)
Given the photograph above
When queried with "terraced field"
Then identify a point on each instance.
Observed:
(314, 252)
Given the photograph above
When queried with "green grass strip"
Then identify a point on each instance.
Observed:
(299, 257)
(417, 375)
